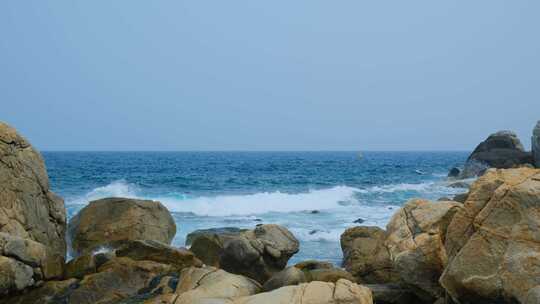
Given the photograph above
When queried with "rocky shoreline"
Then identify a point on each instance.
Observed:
(482, 246)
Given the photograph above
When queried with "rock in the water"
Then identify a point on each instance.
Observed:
(454, 172)
(536, 145)
(365, 255)
(359, 221)
(111, 221)
(493, 243)
(257, 253)
(139, 250)
(416, 235)
(32, 218)
(500, 150)
(459, 185)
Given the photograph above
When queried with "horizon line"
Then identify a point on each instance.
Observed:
(252, 151)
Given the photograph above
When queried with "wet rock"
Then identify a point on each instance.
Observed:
(365, 255)
(459, 185)
(493, 243)
(359, 221)
(111, 221)
(454, 172)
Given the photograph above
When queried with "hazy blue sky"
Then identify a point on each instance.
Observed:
(269, 75)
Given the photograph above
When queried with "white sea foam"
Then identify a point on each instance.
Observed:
(426, 187)
(338, 197)
(119, 188)
(263, 202)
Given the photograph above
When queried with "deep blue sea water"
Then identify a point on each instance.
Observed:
(242, 189)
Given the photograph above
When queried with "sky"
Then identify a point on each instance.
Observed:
(269, 75)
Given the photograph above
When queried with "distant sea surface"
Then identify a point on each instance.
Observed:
(317, 195)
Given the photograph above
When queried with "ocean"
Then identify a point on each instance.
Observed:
(316, 195)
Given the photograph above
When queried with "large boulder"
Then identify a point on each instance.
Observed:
(198, 284)
(340, 292)
(500, 150)
(257, 254)
(536, 145)
(110, 222)
(415, 242)
(493, 242)
(32, 218)
(365, 255)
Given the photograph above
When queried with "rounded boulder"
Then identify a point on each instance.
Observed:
(110, 222)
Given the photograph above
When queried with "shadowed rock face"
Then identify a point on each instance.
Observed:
(536, 145)
(257, 253)
(493, 242)
(32, 218)
(111, 221)
(500, 150)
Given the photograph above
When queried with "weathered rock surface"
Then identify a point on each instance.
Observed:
(111, 221)
(365, 255)
(341, 292)
(114, 281)
(493, 243)
(500, 150)
(257, 254)
(210, 243)
(536, 145)
(32, 218)
(415, 242)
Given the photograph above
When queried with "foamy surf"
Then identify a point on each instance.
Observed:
(263, 202)
(338, 197)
